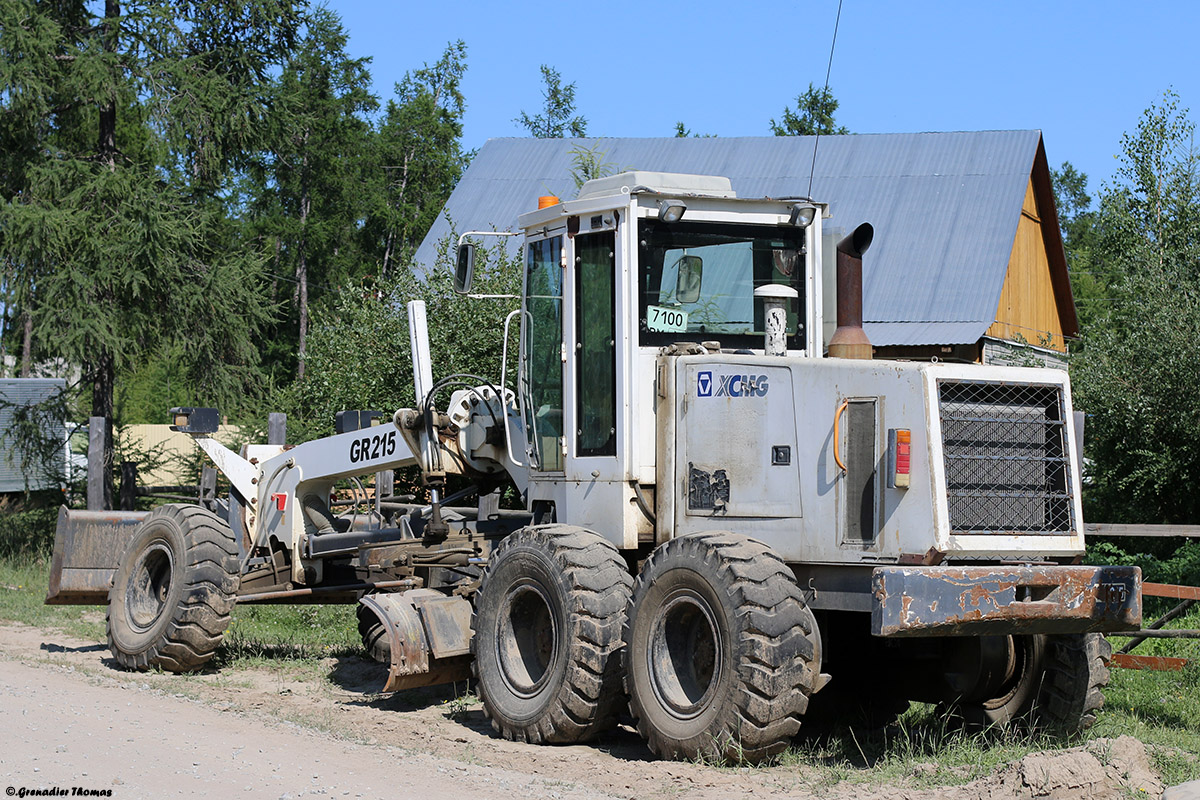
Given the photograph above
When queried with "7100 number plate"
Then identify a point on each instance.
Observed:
(666, 320)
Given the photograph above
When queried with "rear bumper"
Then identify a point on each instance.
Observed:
(997, 600)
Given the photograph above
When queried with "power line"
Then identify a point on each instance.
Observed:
(824, 94)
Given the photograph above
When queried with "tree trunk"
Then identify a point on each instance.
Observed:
(106, 148)
(103, 365)
(104, 376)
(275, 268)
(26, 342)
(387, 254)
(302, 283)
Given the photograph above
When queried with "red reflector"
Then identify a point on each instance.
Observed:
(900, 445)
(280, 501)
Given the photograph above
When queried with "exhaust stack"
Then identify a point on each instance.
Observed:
(850, 340)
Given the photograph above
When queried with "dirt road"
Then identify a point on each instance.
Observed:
(66, 732)
(69, 720)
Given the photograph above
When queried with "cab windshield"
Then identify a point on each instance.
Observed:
(699, 279)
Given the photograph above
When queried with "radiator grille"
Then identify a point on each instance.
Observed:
(1007, 468)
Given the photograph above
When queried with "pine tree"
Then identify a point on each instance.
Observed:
(813, 115)
(124, 121)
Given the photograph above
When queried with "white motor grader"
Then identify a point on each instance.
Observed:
(728, 512)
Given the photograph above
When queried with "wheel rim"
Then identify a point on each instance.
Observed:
(685, 654)
(527, 640)
(1017, 671)
(149, 586)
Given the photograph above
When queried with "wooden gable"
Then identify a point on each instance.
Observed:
(1035, 305)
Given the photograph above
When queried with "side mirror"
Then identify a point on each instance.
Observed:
(687, 280)
(464, 271)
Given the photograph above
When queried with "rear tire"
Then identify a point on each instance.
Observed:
(1016, 688)
(174, 592)
(721, 650)
(547, 635)
(1076, 673)
(1056, 686)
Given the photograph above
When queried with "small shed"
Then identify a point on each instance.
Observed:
(967, 262)
(49, 465)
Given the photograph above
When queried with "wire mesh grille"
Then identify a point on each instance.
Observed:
(1007, 469)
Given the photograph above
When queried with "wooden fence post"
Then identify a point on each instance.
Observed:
(95, 464)
(276, 428)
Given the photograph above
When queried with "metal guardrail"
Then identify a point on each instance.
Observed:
(1188, 595)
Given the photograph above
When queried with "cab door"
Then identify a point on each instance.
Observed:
(593, 357)
(543, 354)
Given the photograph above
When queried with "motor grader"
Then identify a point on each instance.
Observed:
(730, 510)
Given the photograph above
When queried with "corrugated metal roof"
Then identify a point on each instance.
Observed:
(922, 333)
(945, 207)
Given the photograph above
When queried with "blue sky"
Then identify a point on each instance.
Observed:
(1082, 72)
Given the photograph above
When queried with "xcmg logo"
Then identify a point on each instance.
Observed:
(731, 385)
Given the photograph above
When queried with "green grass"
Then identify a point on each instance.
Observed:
(922, 747)
(922, 737)
(1161, 709)
(23, 586)
(266, 634)
(259, 635)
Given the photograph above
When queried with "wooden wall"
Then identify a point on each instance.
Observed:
(1028, 311)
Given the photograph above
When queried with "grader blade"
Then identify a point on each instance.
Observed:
(87, 550)
(428, 634)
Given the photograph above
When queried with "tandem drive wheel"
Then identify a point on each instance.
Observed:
(174, 591)
(1050, 682)
(547, 634)
(722, 653)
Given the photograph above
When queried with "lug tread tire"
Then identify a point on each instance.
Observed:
(596, 587)
(206, 569)
(1076, 673)
(374, 636)
(772, 634)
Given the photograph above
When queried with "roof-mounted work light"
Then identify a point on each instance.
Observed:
(802, 215)
(671, 210)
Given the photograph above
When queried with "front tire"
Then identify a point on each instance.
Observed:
(547, 635)
(374, 636)
(722, 652)
(174, 592)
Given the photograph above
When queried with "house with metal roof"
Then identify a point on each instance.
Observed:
(967, 261)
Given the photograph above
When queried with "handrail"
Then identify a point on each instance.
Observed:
(837, 421)
(504, 388)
